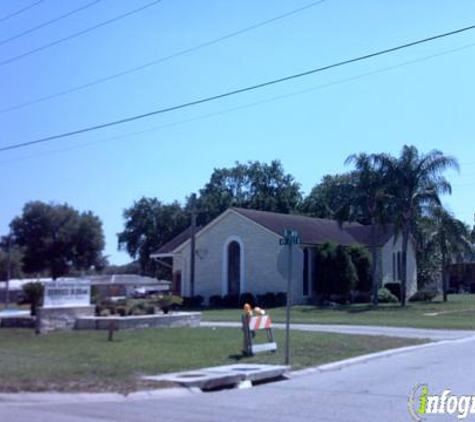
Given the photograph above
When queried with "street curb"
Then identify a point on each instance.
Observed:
(65, 398)
(335, 366)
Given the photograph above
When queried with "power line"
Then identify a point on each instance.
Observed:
(36, 28)
(235, 92)
(159, 60)
(244, 106)
(24, 9)
(77, 34)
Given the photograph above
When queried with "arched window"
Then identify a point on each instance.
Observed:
(234, 268)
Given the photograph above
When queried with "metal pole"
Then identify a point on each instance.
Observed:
(193, 233)
(287, 319)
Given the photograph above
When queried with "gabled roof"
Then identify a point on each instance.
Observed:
(171, 245)
(362, 234)
(312, 231)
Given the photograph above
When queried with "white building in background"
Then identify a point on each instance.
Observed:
(239, 252)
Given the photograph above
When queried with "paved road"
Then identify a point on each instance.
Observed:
(370, 330)
(377, 390)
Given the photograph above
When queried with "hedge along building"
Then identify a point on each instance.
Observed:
(239, 252)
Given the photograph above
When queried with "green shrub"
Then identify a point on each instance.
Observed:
(193, 302)
(423, 295)
(267, 300)
(120, 302)
(121, 310)
(361, 258)
(231, 301)
(280, 299)
(166, 302)
(95, 295)
(385, 296)
(215, 301)
(150, 310)
(339, 299)
(361, 297)
(135, 311)
(335, 270)
(104, 312)
(247, 298)
(112, 305)
(138, 308)
(33, 294)
(395, 288)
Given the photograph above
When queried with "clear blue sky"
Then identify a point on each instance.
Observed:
(428, 103)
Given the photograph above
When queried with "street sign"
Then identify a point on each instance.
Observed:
(291, 237)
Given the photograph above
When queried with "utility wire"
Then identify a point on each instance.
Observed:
(235, 92)
(24, 9)
(42, 25)
(159, 60)
(77, 34)
(244, 106)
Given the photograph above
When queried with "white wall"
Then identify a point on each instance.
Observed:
(261, 256)
(387, 264)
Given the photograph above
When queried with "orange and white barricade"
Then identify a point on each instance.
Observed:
(250, 326)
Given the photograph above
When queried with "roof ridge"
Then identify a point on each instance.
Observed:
(239, 209)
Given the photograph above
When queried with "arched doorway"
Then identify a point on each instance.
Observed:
(234, 268)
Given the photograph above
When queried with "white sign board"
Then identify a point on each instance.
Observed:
(61, 293)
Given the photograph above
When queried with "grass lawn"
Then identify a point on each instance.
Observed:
(457, 313)
(86, 361)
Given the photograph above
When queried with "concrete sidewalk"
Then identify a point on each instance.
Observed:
(369, 330)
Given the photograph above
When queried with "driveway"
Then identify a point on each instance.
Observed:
(376, 390)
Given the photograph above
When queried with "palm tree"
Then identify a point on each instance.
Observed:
(452, 238)
(368, 195)
(416, 184)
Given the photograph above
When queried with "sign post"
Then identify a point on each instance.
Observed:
(291, 237)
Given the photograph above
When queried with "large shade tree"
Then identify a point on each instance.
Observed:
(330, 199)
(10, 263)
(253, 185)
(416, 183)
(57, 239)
(149, 224)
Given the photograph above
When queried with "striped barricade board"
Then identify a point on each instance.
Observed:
(250, 327)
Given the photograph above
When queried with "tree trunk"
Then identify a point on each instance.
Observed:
(405, 241)
(374, 274)
(445, 282)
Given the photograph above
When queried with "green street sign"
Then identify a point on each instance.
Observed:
(290, 237)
